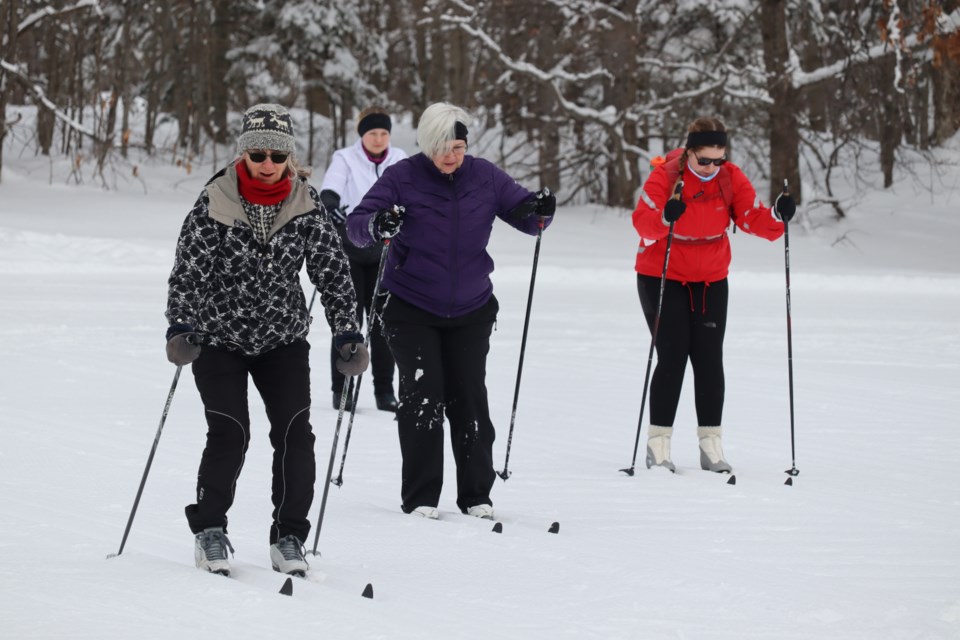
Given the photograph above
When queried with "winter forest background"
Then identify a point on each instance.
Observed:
(577, 95)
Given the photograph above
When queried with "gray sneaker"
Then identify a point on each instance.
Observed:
(210, 551)
(286, 554)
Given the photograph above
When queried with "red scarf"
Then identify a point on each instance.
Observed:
(259, 192)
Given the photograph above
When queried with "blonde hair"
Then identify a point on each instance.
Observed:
(436, 128)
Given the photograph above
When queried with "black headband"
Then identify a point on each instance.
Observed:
(706, 139)
(373, 121)
(460, 131)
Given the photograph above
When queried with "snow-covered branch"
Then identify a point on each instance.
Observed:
(40, 95)
(800, 78)
(523, 67)
(48, 11)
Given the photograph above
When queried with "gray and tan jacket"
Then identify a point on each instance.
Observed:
(236, 276)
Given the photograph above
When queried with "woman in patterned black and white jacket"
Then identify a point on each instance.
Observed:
(235, 288)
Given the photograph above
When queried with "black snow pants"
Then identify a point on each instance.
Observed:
(282, 376)
(442, 364)
(693, 320)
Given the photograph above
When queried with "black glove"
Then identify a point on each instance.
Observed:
(352, 354)
(785, 207)
(331, 203)
(386, 222)
(546, 203)
(673, 210)
(183, 344)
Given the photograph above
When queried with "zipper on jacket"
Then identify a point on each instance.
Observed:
(454, 270)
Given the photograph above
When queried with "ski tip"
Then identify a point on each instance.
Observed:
(732, 480)
(287, 588)
(498, 527)
(554, 528)
(368, 591)
(789, 482)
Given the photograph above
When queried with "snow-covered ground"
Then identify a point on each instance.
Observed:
(864, 545)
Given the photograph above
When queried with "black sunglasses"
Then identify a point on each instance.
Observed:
(260, 156)
(706, 162)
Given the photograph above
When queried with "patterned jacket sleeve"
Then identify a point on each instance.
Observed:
(195, 255)
(329, 270)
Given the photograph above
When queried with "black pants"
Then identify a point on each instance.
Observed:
(442, 364)
(381, 360)
(282, 376)
(693, 320)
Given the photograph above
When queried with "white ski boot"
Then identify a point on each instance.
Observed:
(711, 453)
(484, 511)
(658, 448)
(430, 513)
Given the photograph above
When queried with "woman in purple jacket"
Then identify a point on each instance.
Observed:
(441, 309)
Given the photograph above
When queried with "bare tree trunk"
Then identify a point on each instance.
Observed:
(946, 100)
(223, 25)
(46, 121)
(549, 131)
(123, 66)
(8, 42)
(784, 130)
(890, 130)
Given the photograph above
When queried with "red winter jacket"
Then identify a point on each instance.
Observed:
(700, 251)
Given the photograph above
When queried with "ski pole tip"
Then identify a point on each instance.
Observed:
(628, 471)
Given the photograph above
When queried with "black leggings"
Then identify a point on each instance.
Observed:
(693, 321)
(381, 360)
(442, 364)
(282, 376)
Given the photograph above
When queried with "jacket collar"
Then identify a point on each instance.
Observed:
(225, 207)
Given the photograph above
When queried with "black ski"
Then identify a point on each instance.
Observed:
(553, 528)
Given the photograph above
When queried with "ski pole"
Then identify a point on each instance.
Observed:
(523, 345)
(333, 457)
(146, 470)
(356, 392)
(312, 298)
(677, 191)
(792, 471)
(398, 210)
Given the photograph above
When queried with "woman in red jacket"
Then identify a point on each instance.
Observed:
(693, 312)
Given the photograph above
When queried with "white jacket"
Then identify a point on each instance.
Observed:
(351, 173)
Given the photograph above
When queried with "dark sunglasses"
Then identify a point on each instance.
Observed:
(261, 156)
(706, 162)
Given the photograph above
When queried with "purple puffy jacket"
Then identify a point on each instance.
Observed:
(439, 260)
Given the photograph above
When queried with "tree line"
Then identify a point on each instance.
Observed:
(574, 94)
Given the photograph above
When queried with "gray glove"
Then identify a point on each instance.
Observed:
(352, 358)
(183, 344)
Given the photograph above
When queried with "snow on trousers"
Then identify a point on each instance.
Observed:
(693, 320)
(442, 364)
(282, 376)
(381, 360)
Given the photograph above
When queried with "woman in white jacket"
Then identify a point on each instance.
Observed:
(352, 171)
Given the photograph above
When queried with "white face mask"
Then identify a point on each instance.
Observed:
(693, 170)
